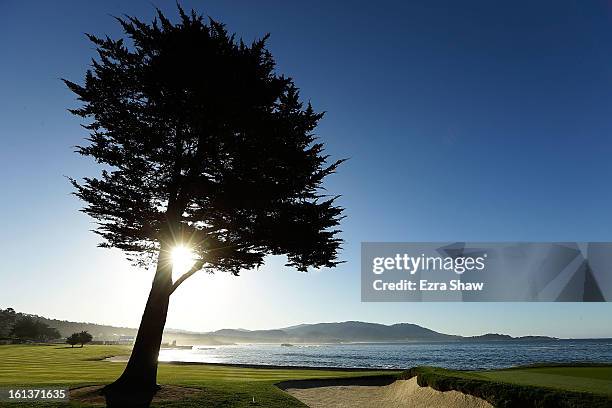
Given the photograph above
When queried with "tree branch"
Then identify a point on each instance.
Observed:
(196, 267)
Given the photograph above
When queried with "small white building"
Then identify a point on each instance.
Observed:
(126, 340)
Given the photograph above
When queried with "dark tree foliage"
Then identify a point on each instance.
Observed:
(29, 328)
(73, 339)
(84, 338)
(8, 317)
(204, 144)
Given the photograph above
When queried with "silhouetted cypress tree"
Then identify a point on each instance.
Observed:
(202, 144)
(73, 339)
(84, 337)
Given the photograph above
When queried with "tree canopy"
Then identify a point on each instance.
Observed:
(81, 338)
(8, 317)
(203, 144)
(29, 328)
(73, 339)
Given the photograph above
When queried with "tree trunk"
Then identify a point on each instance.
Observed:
(138, 383)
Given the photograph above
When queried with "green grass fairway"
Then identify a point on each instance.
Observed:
(25, 365)
(597, 380)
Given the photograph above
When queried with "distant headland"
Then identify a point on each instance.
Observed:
(340, 332)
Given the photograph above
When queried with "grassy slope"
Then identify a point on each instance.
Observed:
(557, 386)
(597, 380)
(24, 365)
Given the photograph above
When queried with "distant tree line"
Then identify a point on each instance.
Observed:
(66, 328)
(19, 327)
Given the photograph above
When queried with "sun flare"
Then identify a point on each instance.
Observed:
(182, 259)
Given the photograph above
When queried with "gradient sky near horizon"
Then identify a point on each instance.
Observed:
(467, 121)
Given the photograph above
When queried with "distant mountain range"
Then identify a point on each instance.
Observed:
(343, 332)
(351, 332)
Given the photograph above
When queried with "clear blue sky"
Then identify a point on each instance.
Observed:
(471, 121)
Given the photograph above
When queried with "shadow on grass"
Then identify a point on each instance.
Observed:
(95, 394)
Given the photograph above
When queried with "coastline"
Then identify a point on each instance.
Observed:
(124, 358)
(575, 385)
(473, 356)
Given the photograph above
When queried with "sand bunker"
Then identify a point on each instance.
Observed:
(401, 393)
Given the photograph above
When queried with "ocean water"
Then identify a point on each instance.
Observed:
(481, 355)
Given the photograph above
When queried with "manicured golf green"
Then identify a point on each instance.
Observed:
(25, 365)
(597, 380)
